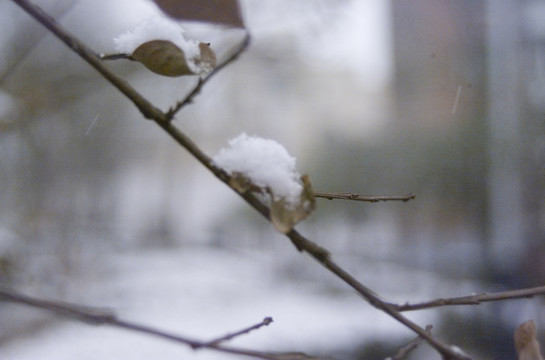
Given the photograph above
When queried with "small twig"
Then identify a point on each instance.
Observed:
(405, 350)
(266, 321)
(232, 56)
(116, 57)
(473, 299)
(368, 198)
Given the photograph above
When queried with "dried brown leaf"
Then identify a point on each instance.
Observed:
(165, 58)
(162, 57)
(285, 215)
(526, 342)
(207, 61)
(226, 12)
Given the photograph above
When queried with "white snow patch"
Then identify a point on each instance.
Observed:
(265, 162)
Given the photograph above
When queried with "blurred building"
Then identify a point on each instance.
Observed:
(469, 98)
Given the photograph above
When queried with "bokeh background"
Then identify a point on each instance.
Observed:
(441, 98)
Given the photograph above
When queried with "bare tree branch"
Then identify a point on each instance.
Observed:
(163, 120)
(473, 299)
(377, 302)
(368, 198)
(100, 316)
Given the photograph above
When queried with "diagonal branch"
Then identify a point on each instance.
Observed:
(163, 120)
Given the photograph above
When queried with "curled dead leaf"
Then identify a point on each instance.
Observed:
(285, 215)
(207, 60)
(526, 342)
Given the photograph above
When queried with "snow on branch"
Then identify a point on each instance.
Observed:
(265, 166)
(266, 163)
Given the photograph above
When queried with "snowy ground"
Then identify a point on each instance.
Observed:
(203, 293)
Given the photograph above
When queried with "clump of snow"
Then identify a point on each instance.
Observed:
(265, 162)
(158, 28)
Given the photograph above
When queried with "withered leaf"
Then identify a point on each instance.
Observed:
(526, 342)
(207, 60)
(226, 12)
(162, 57)
(285, 215)
(165, 58)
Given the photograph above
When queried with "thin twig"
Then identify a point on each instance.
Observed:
(405, 350)
(232, 56)
(368, 198)
(265, 322)
(163, 120)
(473, 299)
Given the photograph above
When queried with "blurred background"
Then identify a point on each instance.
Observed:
(441, 98)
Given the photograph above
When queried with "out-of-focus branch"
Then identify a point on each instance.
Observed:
(473, 299)
(100, 316)
(368, 198)
(163, 120)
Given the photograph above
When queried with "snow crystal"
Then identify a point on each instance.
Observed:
(265, 162)
(158, 28)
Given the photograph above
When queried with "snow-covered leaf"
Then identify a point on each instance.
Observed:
(160, 45)
(265, 166)
(226, 12)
